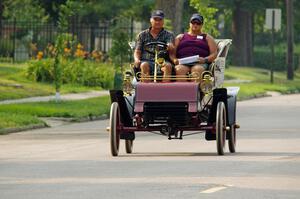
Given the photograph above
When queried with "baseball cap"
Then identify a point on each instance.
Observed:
(158, 14)
(197, 17)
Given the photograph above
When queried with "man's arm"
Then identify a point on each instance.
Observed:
(137, 55)
(137, 58)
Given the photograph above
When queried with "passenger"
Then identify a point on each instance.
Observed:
(192, 43)
(142, 58)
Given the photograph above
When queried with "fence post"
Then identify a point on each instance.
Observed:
(131, 29)
(92, 38)
(14, 39)
(104, 37)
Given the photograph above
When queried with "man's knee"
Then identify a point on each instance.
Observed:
(167, 68)
(145, 67)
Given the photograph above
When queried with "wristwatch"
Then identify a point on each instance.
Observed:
(206, 60)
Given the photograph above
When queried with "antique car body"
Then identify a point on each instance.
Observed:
(177, 109)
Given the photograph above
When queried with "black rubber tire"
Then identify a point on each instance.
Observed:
(114, 133)
(221, 127)
(232, 139)
(128, 146)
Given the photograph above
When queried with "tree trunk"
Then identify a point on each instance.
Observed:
(290, 39)
(242, 31)
(173, 10)
(249, 37)
(1, 13)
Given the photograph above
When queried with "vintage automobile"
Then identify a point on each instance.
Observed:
(175, 109)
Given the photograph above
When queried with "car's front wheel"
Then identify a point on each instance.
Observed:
(114, 133)
(221, 127)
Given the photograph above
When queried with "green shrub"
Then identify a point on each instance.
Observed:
(263, 59)
(74, 71)
(40, 70)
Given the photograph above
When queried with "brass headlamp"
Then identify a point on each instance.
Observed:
(207, 82)
(127, 82)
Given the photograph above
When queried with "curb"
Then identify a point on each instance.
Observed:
(22, 128)
(73, 120)
(90, 118)
(255, 96)
(45, 125)
(269, 94)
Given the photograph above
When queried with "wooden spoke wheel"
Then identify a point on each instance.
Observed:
(221, 127)
(114, 134)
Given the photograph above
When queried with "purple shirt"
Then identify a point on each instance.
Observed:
(192, 45)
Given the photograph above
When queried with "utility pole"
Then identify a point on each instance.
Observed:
(1, 13)
(290, 39)
(273, 22)
(272, 48)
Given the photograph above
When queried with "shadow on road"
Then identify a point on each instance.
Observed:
(168, 154)
(190, 154)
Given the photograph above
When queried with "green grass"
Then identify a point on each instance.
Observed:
(18, 115)
(260, 81)
(14, 85)
(16, 120)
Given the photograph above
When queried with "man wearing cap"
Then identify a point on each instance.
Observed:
(156, 33)
(192, 43)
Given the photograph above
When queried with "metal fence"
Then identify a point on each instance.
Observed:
(19, 40)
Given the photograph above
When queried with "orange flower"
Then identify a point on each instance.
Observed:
(39, 56)
(97, 55)
(79, 53)
(67, 51)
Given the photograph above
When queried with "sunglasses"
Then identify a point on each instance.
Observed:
(195, 22)
(157, 19)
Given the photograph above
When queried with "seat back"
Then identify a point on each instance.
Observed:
(223, 47)
(217, 68)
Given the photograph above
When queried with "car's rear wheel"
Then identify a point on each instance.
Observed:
(221, 127)
(114, 128)
(128, 146)
(232, 138)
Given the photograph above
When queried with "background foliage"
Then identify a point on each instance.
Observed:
(74, 71)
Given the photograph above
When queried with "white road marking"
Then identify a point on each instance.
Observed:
(214, 189)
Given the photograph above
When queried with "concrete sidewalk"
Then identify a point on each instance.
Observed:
(73, 96)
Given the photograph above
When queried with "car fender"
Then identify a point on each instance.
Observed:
(231, 104)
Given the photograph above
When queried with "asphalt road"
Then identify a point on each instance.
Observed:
(73, 161)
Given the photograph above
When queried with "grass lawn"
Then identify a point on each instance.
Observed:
(259, 81)
(15, 120)
(18, 115)
(14, 85)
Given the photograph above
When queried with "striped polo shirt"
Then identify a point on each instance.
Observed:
(145, 37)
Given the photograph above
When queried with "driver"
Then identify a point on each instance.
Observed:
(156, 33)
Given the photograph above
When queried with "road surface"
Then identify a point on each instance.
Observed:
(73, 161)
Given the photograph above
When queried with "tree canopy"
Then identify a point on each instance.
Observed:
(241, 20)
